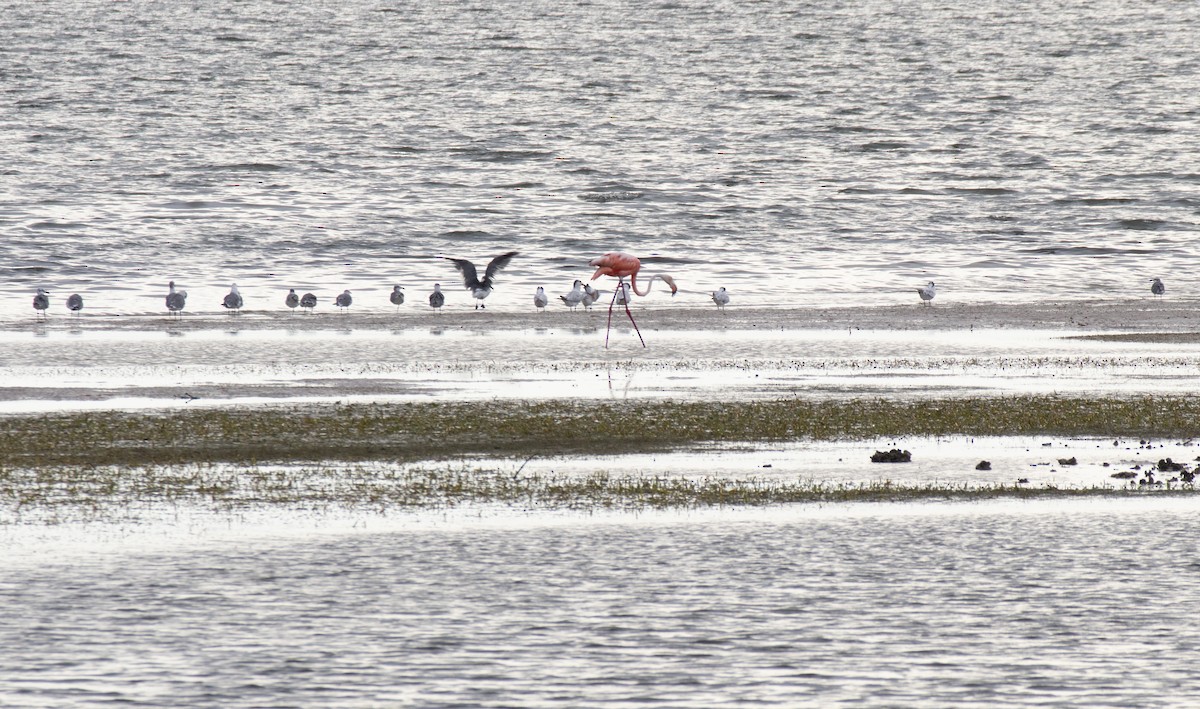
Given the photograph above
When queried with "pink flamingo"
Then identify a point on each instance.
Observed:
(622, 265)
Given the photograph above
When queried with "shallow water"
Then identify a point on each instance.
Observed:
(798, 154)
(998, 604)
(793, 152)
(56, 368)
(946, 461)
(211, 496)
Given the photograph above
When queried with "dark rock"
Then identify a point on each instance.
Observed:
(1167, 464)
(1022, 481)
(1068, 461)
(895, 455)
(984, 465)
(1124, 475)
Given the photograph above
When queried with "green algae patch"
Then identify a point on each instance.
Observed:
(433, 431)
(58, 495)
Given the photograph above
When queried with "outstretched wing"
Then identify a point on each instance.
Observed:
(496, 264)
(470, 278)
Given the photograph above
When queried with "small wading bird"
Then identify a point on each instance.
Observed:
(621, 266)
(481, 288)
(397, 297)
(590, 295)
(621, 297)
(41, 302)
(344, 300)
(927, 292)
(233, 299)
(540, 300)
(437, 298)
(175, 299)
(575, 297)
(292, 300)
(75, 303)
(1157, 287)
(309, 301)
(721, 298)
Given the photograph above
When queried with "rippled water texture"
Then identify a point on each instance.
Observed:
(793, 152)
(984, 606)
(797, 153)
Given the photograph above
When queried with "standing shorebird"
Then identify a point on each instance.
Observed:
(397, 297)
(344, 300)
(233, 299)
(1157, 287)
(621, 265)
(621, 297)
(540, 300)
(721, 298)
(41, 302)
(292, 300)
(309, 301)
(481, 288)
(575, 297)
(75, 303)
(175, 299)
(927, 292)
(437, 298)
(590, 295)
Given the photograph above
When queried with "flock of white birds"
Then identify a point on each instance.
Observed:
(581, 294)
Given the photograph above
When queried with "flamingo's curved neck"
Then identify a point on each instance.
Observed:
(650, 283)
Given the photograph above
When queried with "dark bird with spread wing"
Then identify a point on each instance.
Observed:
(481, 288)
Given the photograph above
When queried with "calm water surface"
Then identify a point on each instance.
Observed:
(795, 152)
(55, 368)
(927, 606)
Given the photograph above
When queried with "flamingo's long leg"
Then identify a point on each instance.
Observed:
(609, 328)
(621, 287)
(635, 327)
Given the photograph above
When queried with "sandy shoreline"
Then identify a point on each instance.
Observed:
(1109, 348)
(1085, 316)
(238, 390)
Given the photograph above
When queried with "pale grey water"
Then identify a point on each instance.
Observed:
(54, 369)
(1056, 604)
(794, 152)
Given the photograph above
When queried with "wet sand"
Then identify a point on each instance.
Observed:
(501, 360)
(147, 362)
(1131, 316)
